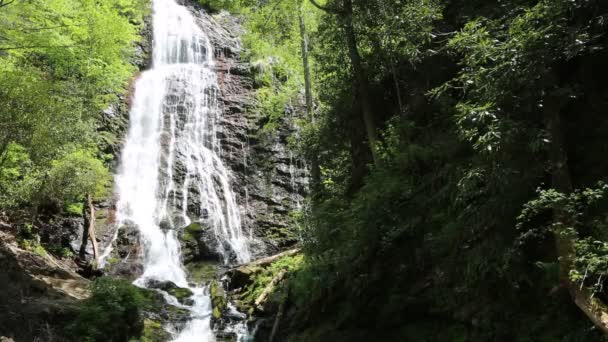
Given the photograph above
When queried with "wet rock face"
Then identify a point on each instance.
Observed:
(199, 243)
(115, 119)
(181, 294)
(269, 182)
(125, 259)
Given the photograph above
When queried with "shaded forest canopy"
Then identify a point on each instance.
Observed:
(457, 152)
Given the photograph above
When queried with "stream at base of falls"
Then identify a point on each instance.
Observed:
(171, 174)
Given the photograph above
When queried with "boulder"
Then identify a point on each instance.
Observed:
(199, 244)
(181, 294)
(219, 302)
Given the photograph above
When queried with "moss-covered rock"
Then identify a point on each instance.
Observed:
(194, 229)
(192, 232)
(181, 294)
(174, 314)
(153, 332)
(219, 301)
(242, 277)
(199, 243)
(202, 272)
(162, 312)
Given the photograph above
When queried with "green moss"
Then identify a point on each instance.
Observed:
(192, 232)
(194, 228)
(263, 277)
(113, 260)
(33, 246)
(216, 312)
(202, 272)
(38, 249)
(177, 311)
(218, 299)
(153, 332)
(74, 209)
(181, 294)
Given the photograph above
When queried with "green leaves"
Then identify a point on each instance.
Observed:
(61, 63)
(591, 264)
(74, 176)
(112, 313)
(590, 267)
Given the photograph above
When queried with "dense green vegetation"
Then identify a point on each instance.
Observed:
(112, 313)
(62, 62)
(456, 149)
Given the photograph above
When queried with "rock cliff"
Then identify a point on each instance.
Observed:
(269, 182)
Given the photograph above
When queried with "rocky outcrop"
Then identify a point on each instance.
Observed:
(269, 181)
(261, 290)
(39, 293)
(181, 294)
(125, 258)
(219, 302)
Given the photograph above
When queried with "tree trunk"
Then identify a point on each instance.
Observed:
(269, 288)
(360, 77)
(306, 65)
(315, 169)
(565, 235)
(397, 88)
(89, 231)
(279, 316)
(377, 42)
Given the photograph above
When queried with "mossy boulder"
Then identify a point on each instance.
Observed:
(192, 233)
(174, 314)
(153, 332)
(162, 312)
(219, 301)
(202, 272)
(242, 277)
(181, 294)
(199, 243)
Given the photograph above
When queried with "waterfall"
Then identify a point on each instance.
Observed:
(171, 174)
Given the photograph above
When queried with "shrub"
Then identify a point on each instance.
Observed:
(112, 313)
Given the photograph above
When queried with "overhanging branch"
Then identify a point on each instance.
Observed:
(5, 2)
(326, 8)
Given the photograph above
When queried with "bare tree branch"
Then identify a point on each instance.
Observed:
(35, 29)
(326, 8)
(6, 2)
(36, 47)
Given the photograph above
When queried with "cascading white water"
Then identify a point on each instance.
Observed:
(171, 173)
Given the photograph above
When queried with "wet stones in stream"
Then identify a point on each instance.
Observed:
(160, 313)
(181, 294)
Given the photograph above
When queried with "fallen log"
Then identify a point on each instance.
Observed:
(269, 288)
(269, 260)
(242, 275)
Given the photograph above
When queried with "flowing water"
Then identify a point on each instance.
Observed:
(171, 174)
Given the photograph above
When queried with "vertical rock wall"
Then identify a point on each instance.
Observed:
(269, 181)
